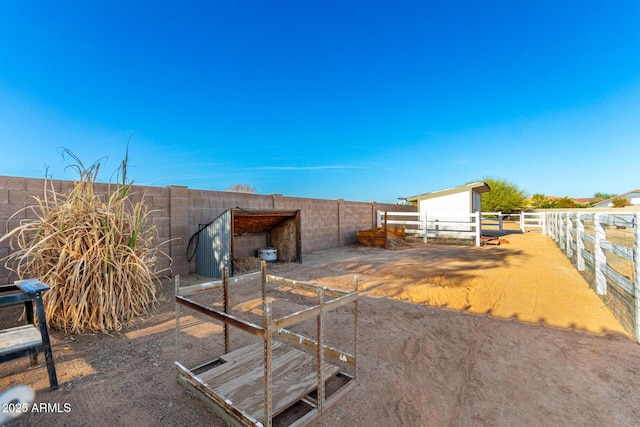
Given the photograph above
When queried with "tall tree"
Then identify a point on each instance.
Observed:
(565, 202)
(539, 201)
(601, 195)
(242, 188)
(505, 196)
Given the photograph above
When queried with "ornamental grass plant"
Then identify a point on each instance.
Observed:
(96, 252)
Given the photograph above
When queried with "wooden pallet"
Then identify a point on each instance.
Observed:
(240, 379)
(268, 382)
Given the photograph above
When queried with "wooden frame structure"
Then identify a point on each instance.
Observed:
(252, 385)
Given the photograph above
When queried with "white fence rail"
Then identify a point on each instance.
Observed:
(532, 220)
(444, 225)
(492, 221)
(412, 222)
(453, 225)
(605, 248)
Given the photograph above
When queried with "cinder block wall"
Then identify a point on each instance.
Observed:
(178, 212)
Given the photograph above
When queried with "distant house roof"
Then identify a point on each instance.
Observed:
(579, 200)
(634, 194)
(477, 187)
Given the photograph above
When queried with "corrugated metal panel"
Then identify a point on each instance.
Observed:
(213, 253)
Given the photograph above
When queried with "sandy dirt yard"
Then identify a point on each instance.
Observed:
(449, 336)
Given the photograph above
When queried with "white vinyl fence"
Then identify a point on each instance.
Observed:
(532, 220)
(412, 222)
(492, 221)
(605, 248)
(452, 226)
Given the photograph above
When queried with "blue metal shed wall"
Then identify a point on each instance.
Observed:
(214, 247)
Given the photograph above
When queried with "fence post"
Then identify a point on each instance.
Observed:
(600, 255)
(522, 214)
(500, 221)
(424, 227)
(548, 225)
(548, 228)
(636, 263)
(478, 227)
(563, 230)
(569, 239)
(579, 242)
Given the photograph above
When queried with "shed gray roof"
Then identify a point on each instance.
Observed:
(477, 187)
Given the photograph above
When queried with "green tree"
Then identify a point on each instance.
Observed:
(540, 201)
(504, 196)
(565, 202)
(604, 196)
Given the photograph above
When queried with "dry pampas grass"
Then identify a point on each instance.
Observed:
(95, 251)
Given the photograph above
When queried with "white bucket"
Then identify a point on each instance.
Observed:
(268, 254)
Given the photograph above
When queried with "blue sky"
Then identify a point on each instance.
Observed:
(366, 101)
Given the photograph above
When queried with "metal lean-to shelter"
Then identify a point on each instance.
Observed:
(241, 230)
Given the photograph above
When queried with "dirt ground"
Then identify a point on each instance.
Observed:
(449, 336)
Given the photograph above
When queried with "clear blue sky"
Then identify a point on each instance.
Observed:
(359, 100)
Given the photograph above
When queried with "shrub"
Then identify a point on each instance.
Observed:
(95, 251)
(620, 202)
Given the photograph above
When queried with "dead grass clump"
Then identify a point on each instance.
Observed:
(246, 264)
(396, 242)
(95, 251)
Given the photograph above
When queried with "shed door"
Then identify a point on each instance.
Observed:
(476, 202)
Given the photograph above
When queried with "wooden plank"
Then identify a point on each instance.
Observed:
(340, 393)
(219, 404)
(200, 287)
(331, 352)
(307, 313)
(297, 317)
(294, 376)
(31, 286)
(223, 317)
(281, 281)
(240, 360)
(216, 284)
(19, 338)
(339, 302)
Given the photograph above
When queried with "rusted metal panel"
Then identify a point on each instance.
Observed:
(214, 253)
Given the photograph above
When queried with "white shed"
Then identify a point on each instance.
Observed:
(462, 200)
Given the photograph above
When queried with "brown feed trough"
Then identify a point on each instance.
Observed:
(379, 237)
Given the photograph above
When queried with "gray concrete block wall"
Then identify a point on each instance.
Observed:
(177, 213)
